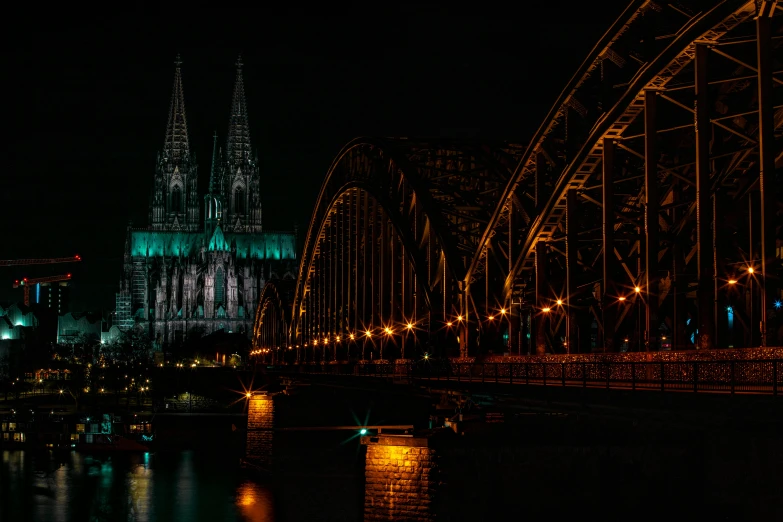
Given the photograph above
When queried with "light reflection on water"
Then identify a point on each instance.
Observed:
(139, 488)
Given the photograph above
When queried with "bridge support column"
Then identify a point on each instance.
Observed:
(260, 430)
(608, 290)
(542, 299)
(572, 238)
(767, 166)
(401, 478)
(704, 218)
(651, 225)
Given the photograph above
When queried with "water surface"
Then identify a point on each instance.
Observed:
(186, 486)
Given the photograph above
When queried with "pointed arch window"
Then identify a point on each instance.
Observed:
(220, 288)
(239, 201)
(176, 200)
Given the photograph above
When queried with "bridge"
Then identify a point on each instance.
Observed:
(638, 226)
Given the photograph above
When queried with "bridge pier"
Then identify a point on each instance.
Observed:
(260, 430)
(401, 478)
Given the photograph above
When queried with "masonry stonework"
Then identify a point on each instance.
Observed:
(260, 430)
(400, 478)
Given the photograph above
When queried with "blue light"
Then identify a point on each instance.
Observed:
(363, 431)
(778, 304)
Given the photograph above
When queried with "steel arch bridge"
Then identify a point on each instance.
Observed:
(644, 214)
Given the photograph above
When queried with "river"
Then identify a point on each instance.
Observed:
(180, 486)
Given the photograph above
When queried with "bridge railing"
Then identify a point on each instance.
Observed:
(762, 376)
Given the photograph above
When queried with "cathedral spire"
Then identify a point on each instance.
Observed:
(176, 144)
(238, 147)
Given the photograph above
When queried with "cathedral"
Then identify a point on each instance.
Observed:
(197, 269)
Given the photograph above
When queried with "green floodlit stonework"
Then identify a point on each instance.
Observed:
(262, 246)
(198, 269)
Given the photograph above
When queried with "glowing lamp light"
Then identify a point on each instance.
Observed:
(426, 356)
(409, 326)
(732, 281)
(61, 392)
(387, 330)
(546, 310)
(248, 395)
(459, 318)
(637, 289)
(368, 333)
(337, 338)
(491, 317)
(559, 302)
(502, 311)
(750, 270)
(363, 431)
(448, 324)
(351, 337)
(778, 304)
(621, 298)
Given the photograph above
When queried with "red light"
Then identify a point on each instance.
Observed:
(77, 256)
(69, 275)
(25, 279)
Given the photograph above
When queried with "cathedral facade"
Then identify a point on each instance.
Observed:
(197, 269)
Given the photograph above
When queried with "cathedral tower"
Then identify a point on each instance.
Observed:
(175, 202)
(240, 177)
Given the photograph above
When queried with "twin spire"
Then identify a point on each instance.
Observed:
(238, 146)
(176, 144)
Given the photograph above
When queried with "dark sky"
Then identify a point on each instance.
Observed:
(87, 101)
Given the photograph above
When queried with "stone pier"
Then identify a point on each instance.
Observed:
(260, 430)
(401, 478)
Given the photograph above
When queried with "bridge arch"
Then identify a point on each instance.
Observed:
(409, 205)
(615, 168)
(272, 322)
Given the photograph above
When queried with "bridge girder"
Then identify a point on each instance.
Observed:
(667, 134)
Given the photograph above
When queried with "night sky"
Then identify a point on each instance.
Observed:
(86, 104)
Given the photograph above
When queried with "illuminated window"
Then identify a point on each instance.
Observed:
(219, 286)
(11, 426)
(80, 428)
(18, 437)
(5, 436)
(74, 437)
(176, 200)
(239, 201)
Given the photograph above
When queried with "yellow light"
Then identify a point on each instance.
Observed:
(448, 324)
(621, 298)
(559, 302)
(315, 341)
(409, 326)
(750, 270)
(732, 281)
(626, 340)
(61, 391)
(388, 330)
(490, 317)
(545, 310)
(248, 394)
(368, 333)
(459, 318)
(193, 365)
(351, 336)
(502, 311)
(338, 338)
(637, 289)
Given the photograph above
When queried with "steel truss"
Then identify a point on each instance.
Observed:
(664, 150)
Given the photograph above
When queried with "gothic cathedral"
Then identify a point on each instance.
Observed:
(192, 273)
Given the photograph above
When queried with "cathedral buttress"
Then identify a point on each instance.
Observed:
(175, 202)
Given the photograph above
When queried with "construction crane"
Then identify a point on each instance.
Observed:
(49, 261)
(26, 283)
